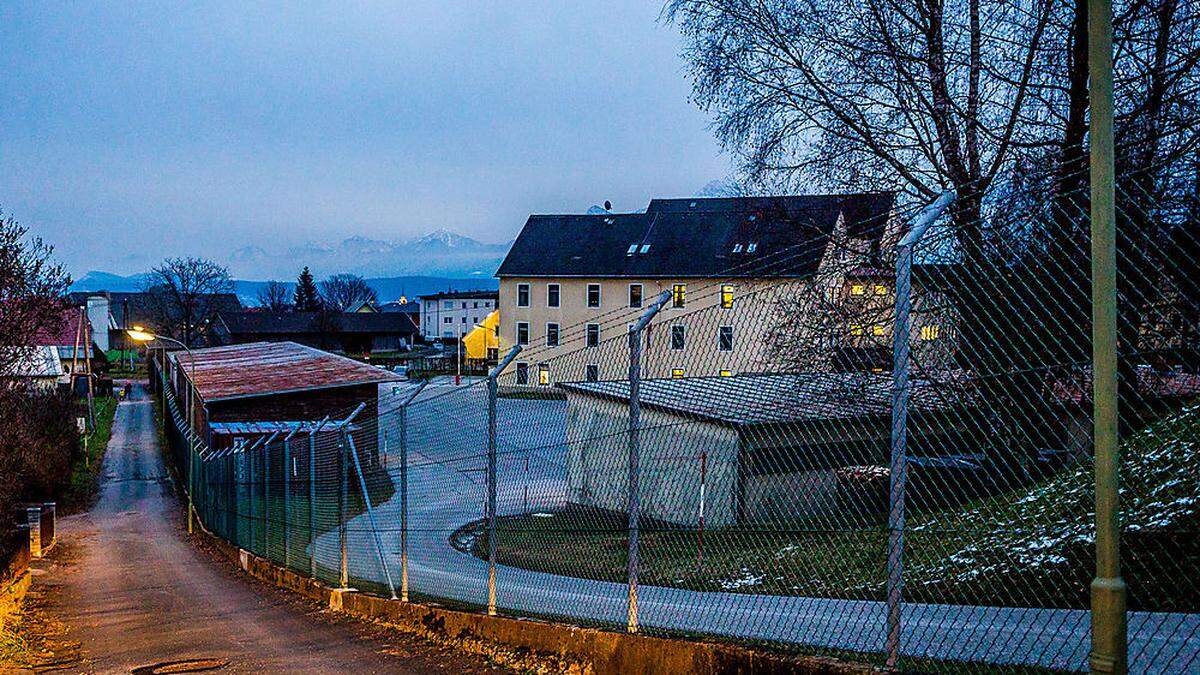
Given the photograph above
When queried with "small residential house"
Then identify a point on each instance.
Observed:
(111, 313)
(73, 341)
(740, 272)
(452, 314)
(766, 447)
(37, 367)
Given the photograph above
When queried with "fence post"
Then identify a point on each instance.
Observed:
(312, 500)
(404, 491)
(635, 450)
(343, 491)
(491, 473)
(1109, 653)
(266, 492)
(287, 495)
(900, 391)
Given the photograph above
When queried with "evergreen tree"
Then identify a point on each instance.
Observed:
(306, 298)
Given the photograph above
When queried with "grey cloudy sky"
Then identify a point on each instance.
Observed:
(132, 131)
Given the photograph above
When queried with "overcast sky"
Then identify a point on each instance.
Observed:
(133, 131)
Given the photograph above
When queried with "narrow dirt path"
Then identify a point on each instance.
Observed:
(130, 592)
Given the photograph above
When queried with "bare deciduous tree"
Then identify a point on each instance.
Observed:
(275, 296)
(31, 289)
(181, 291)
(343, 291)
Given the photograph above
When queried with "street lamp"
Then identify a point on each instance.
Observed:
(140, 334)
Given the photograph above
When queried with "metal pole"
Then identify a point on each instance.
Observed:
(343, 490)
(362, 484)
(287, 494)
(404, 491)
(899, 446)
(312, 499)
(491, 474)
(1109, 629)
(635, 449)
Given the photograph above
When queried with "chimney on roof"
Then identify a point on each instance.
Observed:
(607, 205)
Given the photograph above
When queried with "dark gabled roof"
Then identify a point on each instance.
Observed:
(696, 237)
(145, 310)
(268, 368)
(306, 323)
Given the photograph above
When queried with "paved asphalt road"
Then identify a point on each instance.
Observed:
(134, 592)
(446, 484)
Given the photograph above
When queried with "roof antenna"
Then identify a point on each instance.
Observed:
(607, 205)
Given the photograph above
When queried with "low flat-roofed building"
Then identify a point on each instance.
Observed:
(767, 447)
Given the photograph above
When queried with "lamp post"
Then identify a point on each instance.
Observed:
(139, 334)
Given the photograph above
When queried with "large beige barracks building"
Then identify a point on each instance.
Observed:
(572, 285)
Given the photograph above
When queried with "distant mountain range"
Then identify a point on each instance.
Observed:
(388, 288)
(438, 254)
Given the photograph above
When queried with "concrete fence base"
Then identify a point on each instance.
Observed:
(524, 642)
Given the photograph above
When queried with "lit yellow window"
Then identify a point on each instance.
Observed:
(931, 332)
(857, 289)
(877, 330)
(880, 289)
(678, 295)
(676, 373)
(726, 373)
(727, 296)
(544, 375)
(856, 330)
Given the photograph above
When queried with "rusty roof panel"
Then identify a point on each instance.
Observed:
(267, 368)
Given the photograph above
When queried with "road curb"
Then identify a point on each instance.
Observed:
(583, 650)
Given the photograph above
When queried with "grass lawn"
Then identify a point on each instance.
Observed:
(1032, 547)
(85, 473)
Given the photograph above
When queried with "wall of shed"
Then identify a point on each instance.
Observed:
(598, 462)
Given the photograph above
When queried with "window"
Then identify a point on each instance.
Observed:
(632, 249)
(464, 319)
(522, 295)
(551, 335)
(593, 334)
(475, 305)
(752, 247)
(726, 373)
(676, 373)
(931, 332)
(725, 339)
(543, 375)
(678, 295)
(644, 249)
(856, 329)
(880, 289)
(635, 295)
(448, 304)
(857, 289)
(593, 295)
(464, 305)
(552, 295)
(678, 333)
(522, 332)
(727, 296)
(448, 319)
(877, 330)
(522, 373)
(591, 372)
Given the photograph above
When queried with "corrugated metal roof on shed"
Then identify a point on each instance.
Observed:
(267, 368)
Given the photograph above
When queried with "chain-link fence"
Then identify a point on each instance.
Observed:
(889, 457)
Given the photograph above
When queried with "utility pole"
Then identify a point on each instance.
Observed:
(1109, 629)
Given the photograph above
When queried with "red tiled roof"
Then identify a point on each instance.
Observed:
(266, 368)
(61, 333)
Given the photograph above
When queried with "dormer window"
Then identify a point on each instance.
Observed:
(753, 217)
(737, 248)
(632, 249)
(752, 247)
(645, 248)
